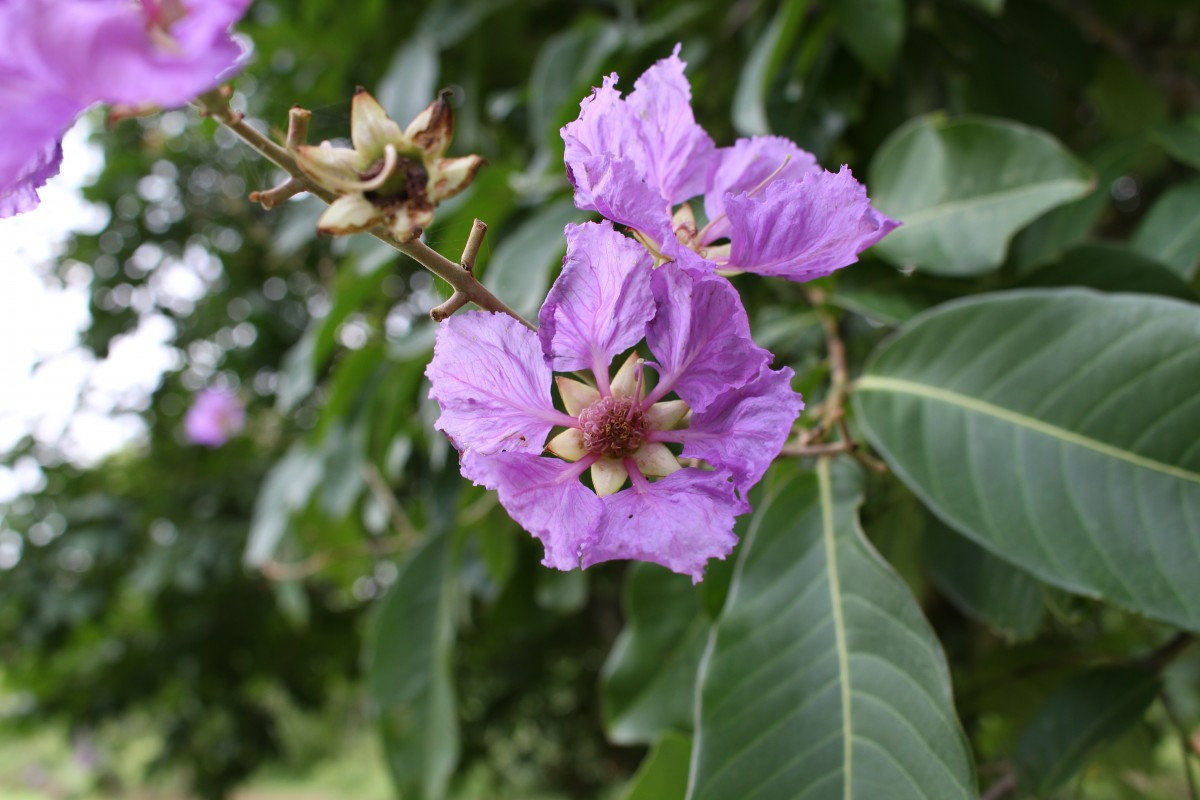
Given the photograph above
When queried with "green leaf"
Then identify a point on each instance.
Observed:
(649, 679)
(963, 187)
(410, 83)
(565, 66)
(1181, 140)
(821, 672)
(884, 294)
(894, 521)
(563, 592)
(993, 7)
(1089, 710)
(663, 774)
(873, 30)
(750, 99)
(1058, 429)
(1170, 231)
(981, 585)
(1070, 225)
(1110, 268)
(409, 672)
(286, 489)
(520, 271)
(1125, 100)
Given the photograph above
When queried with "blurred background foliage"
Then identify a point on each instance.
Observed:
(327, 579)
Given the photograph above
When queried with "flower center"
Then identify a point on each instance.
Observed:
(613, 426)
(405, 180)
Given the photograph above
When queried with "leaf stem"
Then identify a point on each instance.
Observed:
(833, 414)
(215, 104)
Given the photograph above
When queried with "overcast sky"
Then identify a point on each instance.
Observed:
(48, 385)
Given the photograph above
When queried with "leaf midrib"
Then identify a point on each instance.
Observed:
(902, 386)
(932, 213)
(839, 623)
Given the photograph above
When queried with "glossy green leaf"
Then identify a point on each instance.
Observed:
(649, 679)
(884, 294)
(663, 774)
(821, 676)
(287, 488)
(991, 6)
(1110, 268)
(567, 64)
(963, 187)
(749, 101)
(410, 83)
(521, 268)
(1070, 225)
(1091, 709)
(409, 672)
(1124, 98)
(894, 521)
(981, 585)
(873, 30)
(1181, 140)
(1059, 429)
(563, 592)
(1170, 231)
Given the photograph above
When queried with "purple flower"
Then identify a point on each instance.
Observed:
(769, 207)
(709, 391)
(215, 417)
(62, 56)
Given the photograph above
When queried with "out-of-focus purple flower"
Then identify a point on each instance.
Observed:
(62, 56)
(770, 208)
(709, 392)
(215, 416)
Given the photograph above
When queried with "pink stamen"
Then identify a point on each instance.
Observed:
(637, 389)
(581, 466)
(640, 484)
(600, 373)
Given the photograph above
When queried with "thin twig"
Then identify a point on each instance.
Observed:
(466, 263)
(406, 536)
(1168, 652)
(403, 524)
(798, 450)
(1184, 743)
(216, 105)
(1000, 788)
(307, 567)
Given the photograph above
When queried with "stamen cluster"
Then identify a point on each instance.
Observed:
(715, 398)
(613, 427)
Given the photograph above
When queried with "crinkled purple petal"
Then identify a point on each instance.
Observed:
(492, 384)
(605, 128)
(680, 522)
(678, 152)
(33, 121)
(687, 258)
(804, 229)
(19, 194)
(545, 497)
(744, 167)
(700, 337)
(621, 194)
(600, 304)
(111, 51)
(743, 430)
